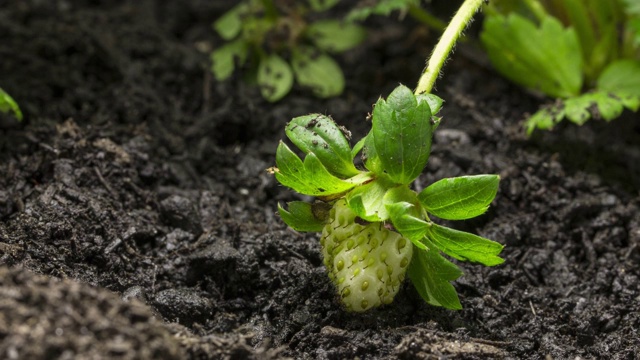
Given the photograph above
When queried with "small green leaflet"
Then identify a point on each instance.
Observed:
(401, 134)
(275, 77)
(465, 246)
(7, 104)
(460, 198)
(309, 177)
(229, 25)
(300, 217)
(319, 134)
(435, 102)
(545, 58)
(335, 36)
(317, 71)
(431, 275)
(225, 58)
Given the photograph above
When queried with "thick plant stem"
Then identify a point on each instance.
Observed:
(445, 44)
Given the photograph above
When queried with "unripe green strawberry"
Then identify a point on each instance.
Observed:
(366, 262)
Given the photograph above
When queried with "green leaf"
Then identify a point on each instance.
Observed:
(406, 219)
(319, 134)
(431, 274)
(334, 35)
(402, 132)
(621, 76)
(631, 102)
(357, 147)
(300, 217)
(579, 109)
(435, 102)
(370, 157)
(322, 5)
(381, 7)
(7, 104)
(608, 105)
(465, 246)
(576, 109)
(461, 197)
(544, 119)
(225, 58)
(308, 178)
(367, 201)
(545, 58)
(275, 77)
(229, 25)
(317, 71)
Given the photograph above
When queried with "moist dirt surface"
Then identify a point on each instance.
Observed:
(137, 219)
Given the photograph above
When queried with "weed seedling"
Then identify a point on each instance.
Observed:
(280, 44)
(375, 228)
(7, 104)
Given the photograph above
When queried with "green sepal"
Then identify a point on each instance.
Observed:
(309, 177)
(335, 36)
(7, 104)
(401, 132)
(431, 275)
(229, 25)
(465, 246)
(405, 218)
(225, 58)
(367, 201)
(300, 217)
(460, 198)
(320, 135)
(546, 58)
(275, 77)
(317, 71)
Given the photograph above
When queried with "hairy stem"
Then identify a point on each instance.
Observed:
(445, 44)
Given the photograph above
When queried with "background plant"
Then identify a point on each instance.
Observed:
(585, 53)
(280, 42)
(375, 229)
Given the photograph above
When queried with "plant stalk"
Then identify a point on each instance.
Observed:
(450, 36)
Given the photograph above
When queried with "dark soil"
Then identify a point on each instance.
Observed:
(136, 189)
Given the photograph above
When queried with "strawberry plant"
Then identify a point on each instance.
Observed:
(375, 229)
(279, 43)
(585, 53)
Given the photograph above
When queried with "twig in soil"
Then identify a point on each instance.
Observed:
(630, 251)
(533, 310)
(104, 182)
(495, 343)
